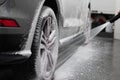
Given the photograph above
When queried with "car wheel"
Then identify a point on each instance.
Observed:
(42, 63)
(45, 44)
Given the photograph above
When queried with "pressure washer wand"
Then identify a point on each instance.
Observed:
(115, 18)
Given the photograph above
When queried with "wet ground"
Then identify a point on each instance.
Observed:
(98, 60)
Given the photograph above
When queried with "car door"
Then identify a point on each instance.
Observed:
(74, 12)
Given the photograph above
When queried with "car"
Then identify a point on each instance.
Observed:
(32, 32)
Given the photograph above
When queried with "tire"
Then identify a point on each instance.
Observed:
(44, 49)
(45, 44)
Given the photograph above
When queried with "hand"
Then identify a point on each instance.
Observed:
(119, 12)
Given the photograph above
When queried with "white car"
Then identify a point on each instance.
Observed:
(32, 32)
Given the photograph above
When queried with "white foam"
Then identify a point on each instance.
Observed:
(97, 30)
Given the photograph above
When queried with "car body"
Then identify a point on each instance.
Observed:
(16, 42)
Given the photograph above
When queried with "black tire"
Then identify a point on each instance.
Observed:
(34, 67)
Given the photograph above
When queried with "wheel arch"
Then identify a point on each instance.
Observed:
(55, 5)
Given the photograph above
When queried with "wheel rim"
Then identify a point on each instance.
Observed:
(48, 48)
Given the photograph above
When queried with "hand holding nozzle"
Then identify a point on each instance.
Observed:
(115, 18)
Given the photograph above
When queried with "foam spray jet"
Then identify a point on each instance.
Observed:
(98, 29)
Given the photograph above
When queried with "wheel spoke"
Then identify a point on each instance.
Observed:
(42, 46)
(44, 36)
(52, 35)
(44, 62)
(49, 55)
(43, 41)
(48, 26)
(49, 22)
(52, 38)
(52, 42)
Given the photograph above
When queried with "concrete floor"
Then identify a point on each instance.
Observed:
(98, 60)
